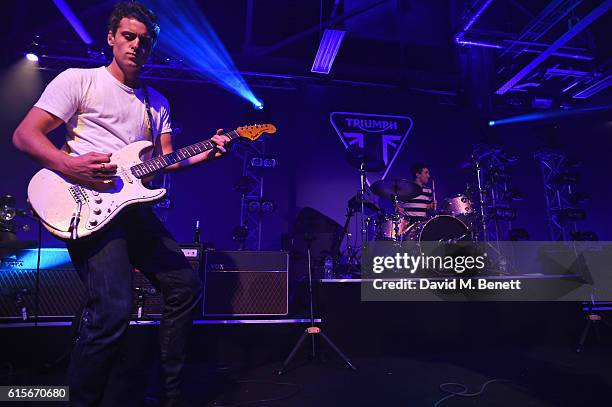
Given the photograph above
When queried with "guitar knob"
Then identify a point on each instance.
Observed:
(95, 193)
(93, 222)
(98, 200)
(97, 211)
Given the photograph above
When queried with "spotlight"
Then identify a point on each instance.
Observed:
(254, 206)
(256, 162)
(261, 206)
(267, 206)
(265, 162)
(258, 105)
(7, 208)
(269, 162)
(491, 123)
(31, 57)
(566, 178)
(569, 214)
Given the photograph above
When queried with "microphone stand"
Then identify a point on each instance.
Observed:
(312, 330)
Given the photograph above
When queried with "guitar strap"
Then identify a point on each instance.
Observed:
(149, 133)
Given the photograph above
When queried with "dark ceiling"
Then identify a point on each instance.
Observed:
(400, 42)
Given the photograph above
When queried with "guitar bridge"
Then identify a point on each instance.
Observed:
(78, 194)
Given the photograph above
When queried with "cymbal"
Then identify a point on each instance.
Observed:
(358, 156)
(402, 188)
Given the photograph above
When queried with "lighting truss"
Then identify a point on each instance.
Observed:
(553, 163)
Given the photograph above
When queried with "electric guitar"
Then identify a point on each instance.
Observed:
(72, 211)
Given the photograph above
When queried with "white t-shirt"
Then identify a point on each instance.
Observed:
(101, 113)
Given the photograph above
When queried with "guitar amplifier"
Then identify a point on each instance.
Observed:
(147, 298)
(245, 283)
(61, 291)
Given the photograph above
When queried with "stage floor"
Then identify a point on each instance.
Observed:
(534, 376)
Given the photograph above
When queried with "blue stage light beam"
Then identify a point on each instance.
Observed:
(186, 34)
(550, 114)
(74, 21)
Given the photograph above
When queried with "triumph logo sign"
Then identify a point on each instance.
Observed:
(380, 134)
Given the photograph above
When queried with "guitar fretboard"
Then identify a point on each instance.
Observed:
(158, 163)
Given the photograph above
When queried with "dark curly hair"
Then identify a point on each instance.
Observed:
(417, 168)
(134, 10)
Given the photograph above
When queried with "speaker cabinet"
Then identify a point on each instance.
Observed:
(245, 283)
(147, 298)
(61, 290)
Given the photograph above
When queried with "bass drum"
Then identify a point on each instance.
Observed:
(440, 228)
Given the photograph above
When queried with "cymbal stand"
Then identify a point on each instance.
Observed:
(363, 180)
(396, 218)
(502, 258)
(481, 191)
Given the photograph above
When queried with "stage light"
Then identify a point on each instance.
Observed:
(502, 213)
(577, 198)
(569, 214)
(254, 206)
(31, 57)
(258, 105)
(265, 162)
(491, 123)
(269, 162)
(566, 178)
(328, 48)
(267, 206)
(188, 36)
(562, 111)
(261, 206)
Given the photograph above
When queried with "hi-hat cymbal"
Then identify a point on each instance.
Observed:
(358, 157)
(402, 188)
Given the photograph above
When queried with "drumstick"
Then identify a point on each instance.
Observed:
(433, 189)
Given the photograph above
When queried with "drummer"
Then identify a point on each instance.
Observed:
(416, 208)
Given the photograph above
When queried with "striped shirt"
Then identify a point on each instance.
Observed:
(418, 205)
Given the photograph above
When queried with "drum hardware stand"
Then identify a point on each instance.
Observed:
(396, 219)
(363, 180)
(482, 201)
(312, 330)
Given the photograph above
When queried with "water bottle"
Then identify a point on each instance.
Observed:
(328, 268)
(196, 233)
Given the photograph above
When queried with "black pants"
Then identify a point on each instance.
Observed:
(104, 262)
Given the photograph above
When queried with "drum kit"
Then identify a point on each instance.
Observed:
(454, 221)
(448, 224)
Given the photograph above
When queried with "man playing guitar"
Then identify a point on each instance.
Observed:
(104, 110)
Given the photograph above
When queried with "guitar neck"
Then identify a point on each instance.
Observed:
(156, 164)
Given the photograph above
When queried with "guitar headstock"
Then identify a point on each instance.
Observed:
(255, 131)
